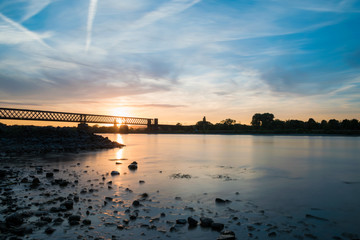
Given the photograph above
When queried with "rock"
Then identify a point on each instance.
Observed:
(144, 196)
(109, 199)
(206, 222)
(35, 182)
(192, 222)
(222, 201)
(46, 219)
(272, 234)
(217, 226)
(136, 203)
(74, 218)
(181, 221)
(141, 181)
(120, 227)
(56, 170)
(114, 173)
(22, 231)
(24, 180)
(162, 215)
(49, 230)
(86, 222)
(58, 221)
(133, 166)
(15, 219)
(69, 204)
(226, 237)
(49, 175)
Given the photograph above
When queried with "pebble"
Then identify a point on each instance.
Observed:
(114, 173)
(133, 166)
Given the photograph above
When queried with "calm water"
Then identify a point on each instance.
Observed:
(272, 181)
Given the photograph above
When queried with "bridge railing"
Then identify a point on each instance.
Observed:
(38, 115)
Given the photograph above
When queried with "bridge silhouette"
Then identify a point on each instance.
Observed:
(81, 118)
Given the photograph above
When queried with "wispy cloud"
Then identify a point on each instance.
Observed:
(168, 9)
(90, 21)
(14, 33)
(154, 105)
(34, 7)
(195, 56)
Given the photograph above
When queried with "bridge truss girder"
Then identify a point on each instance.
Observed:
(37, 115)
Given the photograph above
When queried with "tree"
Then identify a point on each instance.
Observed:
(312, 124)
(262, 120)
(124, 129)
(333, 124)
(228, 121)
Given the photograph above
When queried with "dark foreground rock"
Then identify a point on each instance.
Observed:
(17, 140)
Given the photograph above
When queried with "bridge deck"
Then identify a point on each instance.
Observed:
(38, 115)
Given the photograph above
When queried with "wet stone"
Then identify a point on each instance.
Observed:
(133, 166)
(136, 203)
(181, 221)
(68, 204)
(114, 173)
(272, 234)
(206, 222)
(109, 199)
(49, 230)
(24, 180)
(222, 201)
(86, 222)
(192, 222)
(15, 219)
(35, 182)
(49, 175)
(217, 226)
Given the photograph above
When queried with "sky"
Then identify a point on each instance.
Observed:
(180, 60)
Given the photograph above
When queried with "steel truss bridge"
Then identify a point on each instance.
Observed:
(37, 115)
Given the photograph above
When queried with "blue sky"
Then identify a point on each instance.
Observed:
(179, 60)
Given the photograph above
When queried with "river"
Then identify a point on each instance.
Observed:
(286, 187)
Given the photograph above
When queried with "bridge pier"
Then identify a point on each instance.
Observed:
(153, 128)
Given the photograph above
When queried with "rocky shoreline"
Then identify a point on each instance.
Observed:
(18, 140)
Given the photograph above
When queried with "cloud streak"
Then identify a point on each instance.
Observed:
(90, 22)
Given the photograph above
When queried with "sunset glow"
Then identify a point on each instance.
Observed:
(181, 60)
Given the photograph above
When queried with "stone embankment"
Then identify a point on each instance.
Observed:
(16, 140)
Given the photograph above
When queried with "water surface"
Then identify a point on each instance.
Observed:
(299, 187)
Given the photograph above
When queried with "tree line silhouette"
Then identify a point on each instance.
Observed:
(266, 123)
(261, 123)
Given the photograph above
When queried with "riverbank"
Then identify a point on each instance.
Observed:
(19, 140)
